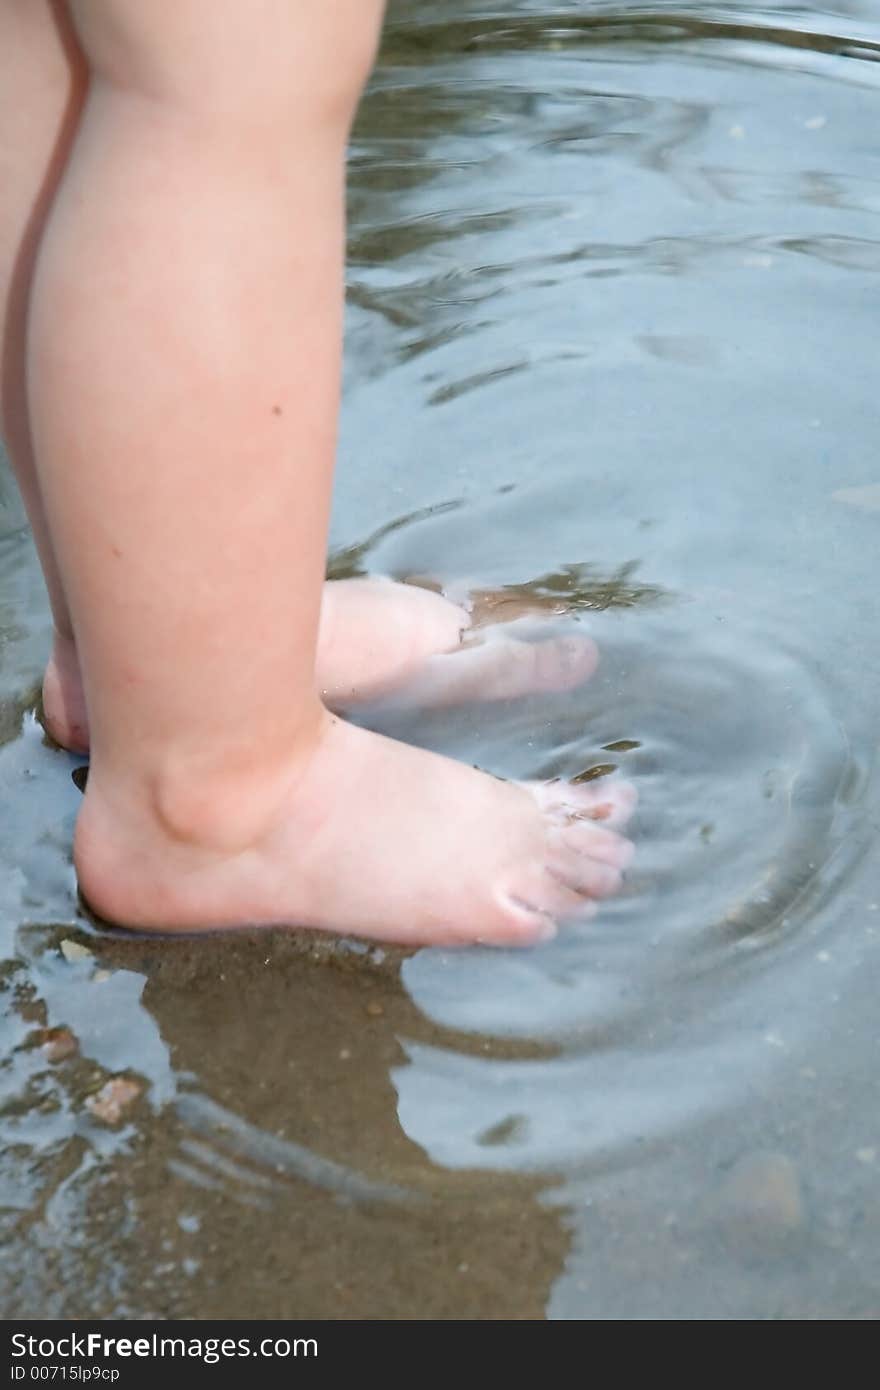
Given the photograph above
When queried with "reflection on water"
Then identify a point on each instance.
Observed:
(610, 368)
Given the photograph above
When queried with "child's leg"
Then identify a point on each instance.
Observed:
(184, 362)
(42, 81)
(373, 636)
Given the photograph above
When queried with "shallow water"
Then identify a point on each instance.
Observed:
(612, 348)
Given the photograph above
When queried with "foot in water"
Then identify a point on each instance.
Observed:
(377, 638)
(355, 833)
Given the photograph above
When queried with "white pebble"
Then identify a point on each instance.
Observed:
(72, 950)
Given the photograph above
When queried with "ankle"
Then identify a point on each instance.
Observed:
(219, 804)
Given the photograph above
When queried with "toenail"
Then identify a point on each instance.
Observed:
(543, 926)
(604, 811)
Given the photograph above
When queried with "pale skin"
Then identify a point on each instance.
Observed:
(171, 258)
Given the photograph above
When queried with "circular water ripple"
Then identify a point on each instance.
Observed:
(668, 1004)
(616, 265)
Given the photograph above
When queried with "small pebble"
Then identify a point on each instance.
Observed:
(115, 1096)
(761, 1203)
(58, 1044)
(72, 950)
(375, 1009)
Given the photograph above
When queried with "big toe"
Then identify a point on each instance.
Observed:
(607, 799)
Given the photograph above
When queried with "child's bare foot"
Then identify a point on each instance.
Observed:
(375, 634)
(353, 833)
(376, 637)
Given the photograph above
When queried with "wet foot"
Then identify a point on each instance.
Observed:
(377, 638)
(445, 855)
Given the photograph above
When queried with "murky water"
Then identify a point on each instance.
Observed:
(612, 351)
